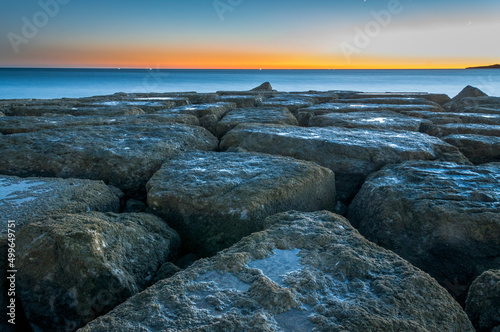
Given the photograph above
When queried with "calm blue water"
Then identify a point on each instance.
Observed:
(57, 83)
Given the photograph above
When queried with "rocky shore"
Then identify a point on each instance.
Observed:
(251, 210)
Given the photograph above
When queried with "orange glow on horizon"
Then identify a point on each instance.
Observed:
(193, 58)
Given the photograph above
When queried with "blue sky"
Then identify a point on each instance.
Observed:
(191, 33)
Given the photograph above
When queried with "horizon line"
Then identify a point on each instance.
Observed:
(257, 69)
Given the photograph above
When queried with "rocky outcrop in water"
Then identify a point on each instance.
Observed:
(420, 197)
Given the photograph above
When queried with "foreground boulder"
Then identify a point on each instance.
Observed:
(351, 153)
(125, 156)
(477, 148)
(22, 200)
(370, 120)
(255, 115)
(442, 217)
(309, 271)
(75, 267)
(214, 199)
(483, 302)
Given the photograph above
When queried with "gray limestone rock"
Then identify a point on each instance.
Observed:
(214, 199)
(74, 267)
(442, 217)
(308, 271)
(125, 156)
(351, 153)
(483, 301)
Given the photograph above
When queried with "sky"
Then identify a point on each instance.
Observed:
(267, 34)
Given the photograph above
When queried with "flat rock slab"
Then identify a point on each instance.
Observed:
(241, 100)
(147, 104)
(370, 120)
(434, 97)
(25, 124)
(388, 101)
(58, 110)
(305, 114)
(124, 156)
(474, 103)
(463, 128)
(291, 102)
(255, 115)
(214, 199)
(454, 117)
(477, 148)
(307, 272)
(208, 114)
(23, 199)
(483, 300)
(352, 154)
(442, 217)
(75, 267)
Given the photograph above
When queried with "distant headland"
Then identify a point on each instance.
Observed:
(497, 66)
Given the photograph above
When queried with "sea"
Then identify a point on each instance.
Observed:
(73, 83)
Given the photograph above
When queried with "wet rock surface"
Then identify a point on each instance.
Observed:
(483, 300)
(467, 128)
(23, 199)
(351, 153)
(370, 120)
(82, 265)
(478, 149)
(442, 217)
(125, 156)
(307, 271)
(25, 124)
(214, 199)
(270, 115)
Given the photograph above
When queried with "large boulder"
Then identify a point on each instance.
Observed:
(305, 114)
(388, 101)
(463, 128)
(469, 91)
(26, 124)
(474, 104)
(309, 271)
(61, 110)
(437, 98)
(291, 102)
(208, 114)
(214, 199)
(483, 302)
(255, 115)
(442, 217)
(370, 120)
(454, 117)
(477, 148)
(351, 153)
(22, 200)
(74, 267)
(240, 100)
(125, 156)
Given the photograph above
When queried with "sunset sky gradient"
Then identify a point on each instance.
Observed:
(278, 34)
